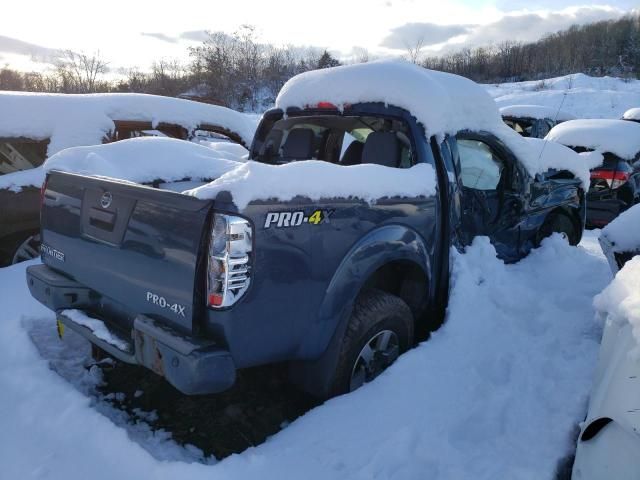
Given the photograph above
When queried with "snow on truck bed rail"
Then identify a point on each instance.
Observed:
(72, 120)
(140, 160)
(620, 137)
(443, 103)
(316, 179)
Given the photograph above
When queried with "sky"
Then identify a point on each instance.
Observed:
(134, 34)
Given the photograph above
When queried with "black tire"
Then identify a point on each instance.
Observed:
(10, 246)
(562, 224)
(375, 312)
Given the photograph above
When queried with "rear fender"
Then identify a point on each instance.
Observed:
(324, 339)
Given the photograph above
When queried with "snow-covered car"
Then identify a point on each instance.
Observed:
(620, 240)
(34, 127)
(609, 441)
(533, 120)
(615, 183)
(633, 115)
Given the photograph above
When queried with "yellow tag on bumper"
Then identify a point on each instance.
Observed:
(60, 328)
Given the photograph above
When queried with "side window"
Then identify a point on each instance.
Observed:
(17, 155)
(480, 168)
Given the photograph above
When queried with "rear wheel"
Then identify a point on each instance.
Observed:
(27, 249)
(380, 329)
(562, 224)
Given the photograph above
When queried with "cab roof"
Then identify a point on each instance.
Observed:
(72, 120)
(618, 137)
(538, 112)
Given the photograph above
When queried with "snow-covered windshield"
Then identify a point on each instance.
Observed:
(342, 140)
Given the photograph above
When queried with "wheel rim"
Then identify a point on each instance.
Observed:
(27, 250)
(380, 351)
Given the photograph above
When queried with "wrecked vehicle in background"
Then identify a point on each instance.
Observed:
(609, 441)
(633, 115)
(620, 240)
(329, 250)
(533, 120)
(36, 126)
(615, 183)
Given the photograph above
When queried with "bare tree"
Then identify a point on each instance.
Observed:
(414, 49)
(80, 72)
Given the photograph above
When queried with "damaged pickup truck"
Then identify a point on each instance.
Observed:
(329, 251)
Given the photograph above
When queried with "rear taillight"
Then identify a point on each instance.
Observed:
(230, 255)
(614, 178)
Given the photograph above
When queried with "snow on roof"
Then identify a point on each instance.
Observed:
(443, 103)
(537, 112)
(618, 137)
(620, 301)
(316, 179)
(75, 120)
(140, 160)
(632, 114)
(624, 231)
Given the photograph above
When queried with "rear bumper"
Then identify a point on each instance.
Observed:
(601, 211)
(192, 365)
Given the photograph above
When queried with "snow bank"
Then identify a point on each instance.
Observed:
(538, 112)
(442, 102)
(577, 94)
(495, 393)
(602, 135)
(624, 231)
(620, 301)
(73, 120)
(316, 179)
(139, 160)
(632, 114)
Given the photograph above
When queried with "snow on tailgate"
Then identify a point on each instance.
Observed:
(494, 394)
(443, 103)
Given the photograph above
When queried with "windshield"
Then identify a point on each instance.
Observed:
(351, 140)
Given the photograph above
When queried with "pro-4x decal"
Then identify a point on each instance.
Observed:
(297, 218)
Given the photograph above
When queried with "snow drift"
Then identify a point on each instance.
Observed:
(495, 393)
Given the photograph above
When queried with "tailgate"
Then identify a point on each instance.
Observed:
(135, 245)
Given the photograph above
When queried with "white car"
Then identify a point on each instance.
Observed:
(609, 442)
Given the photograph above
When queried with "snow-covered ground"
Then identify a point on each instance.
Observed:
(577, 94)
(495, 393)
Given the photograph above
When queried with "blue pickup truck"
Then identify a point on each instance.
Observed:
(195, 288)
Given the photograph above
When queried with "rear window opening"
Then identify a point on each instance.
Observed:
(349, 140)
(21, 154)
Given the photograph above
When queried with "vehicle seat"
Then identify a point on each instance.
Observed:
(299, 144)
(353, 154)
(382, 148)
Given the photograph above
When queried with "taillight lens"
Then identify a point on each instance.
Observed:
(230, 258)
(614, 178)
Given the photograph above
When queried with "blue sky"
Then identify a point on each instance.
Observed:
(130, 33)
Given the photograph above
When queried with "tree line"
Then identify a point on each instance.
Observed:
(240, 72)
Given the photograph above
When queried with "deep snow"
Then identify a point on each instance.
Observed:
(577, 94)
(496, 392)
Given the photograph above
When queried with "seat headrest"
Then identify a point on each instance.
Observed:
(299, 144)
(382, 148)
(353, 154)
